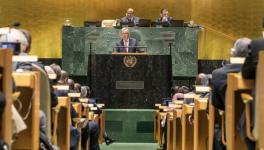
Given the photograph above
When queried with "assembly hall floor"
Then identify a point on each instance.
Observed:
(131, 128)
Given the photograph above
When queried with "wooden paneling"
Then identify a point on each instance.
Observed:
(230, 20)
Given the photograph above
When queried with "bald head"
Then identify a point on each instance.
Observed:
(201, 79)
(26, 48)
(241, 47)
(130, 13)
(130, 10)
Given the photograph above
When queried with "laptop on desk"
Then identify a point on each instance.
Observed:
(92, 23)
(144, 23)
(177, 23)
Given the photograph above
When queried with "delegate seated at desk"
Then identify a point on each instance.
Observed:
(130, 18)
(126, 44)
(164, 17)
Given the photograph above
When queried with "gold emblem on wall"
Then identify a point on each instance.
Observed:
(130, 61)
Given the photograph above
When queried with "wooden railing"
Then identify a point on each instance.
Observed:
(6, 88)
(259, 114)
(28, 83)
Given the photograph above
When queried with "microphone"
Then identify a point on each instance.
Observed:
(170, 46)
(16, 24)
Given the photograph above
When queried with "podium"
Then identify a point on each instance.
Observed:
(130, 80)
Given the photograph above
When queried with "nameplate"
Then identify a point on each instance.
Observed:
(93, 108)
(237, 60)
(108, 23)
(133, 85)
(24, 58)
(189, 95)
(191, 104)
(122, 53)
(74, 94)
(200, 89)
(90, 105)
(100, 105)
(83, 100)
(61, 87)
(178, 102)
(52, 76)
(157, 105)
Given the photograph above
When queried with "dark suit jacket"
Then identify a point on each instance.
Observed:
(133, 46)
(134, 20)
(250, 66)
(219, 84)
(2, 103)
(169, 22)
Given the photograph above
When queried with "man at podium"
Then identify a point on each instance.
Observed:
(126, 44)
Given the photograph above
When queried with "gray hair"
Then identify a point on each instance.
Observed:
(125, 29)
(241, 47)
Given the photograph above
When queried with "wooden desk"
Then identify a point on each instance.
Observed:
(211, 125)
(28, 83)
(170, 130)
(187, 128)
(235, 83)
(200, 123)
(156, 122)
(6, 88)
(260, 102)
(177, 128)
(160, 116)
(62, 123)
(78, 109)
(101, 123)
(98, 118)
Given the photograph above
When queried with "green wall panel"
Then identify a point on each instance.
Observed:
(79, 42)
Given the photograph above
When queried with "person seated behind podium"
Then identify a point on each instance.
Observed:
(126, 44)
(130, 18)
(164, 17)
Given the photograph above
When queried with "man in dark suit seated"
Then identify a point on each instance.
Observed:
(250, 66)
(219, 81)
(219, 76)
(130, 18)
(165, 18)
(126, 44)
(249, 72)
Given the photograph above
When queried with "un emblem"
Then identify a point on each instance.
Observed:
(130, 61)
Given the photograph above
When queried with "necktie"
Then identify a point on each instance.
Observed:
(126, 46)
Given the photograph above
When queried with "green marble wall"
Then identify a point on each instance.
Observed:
(79, 42)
